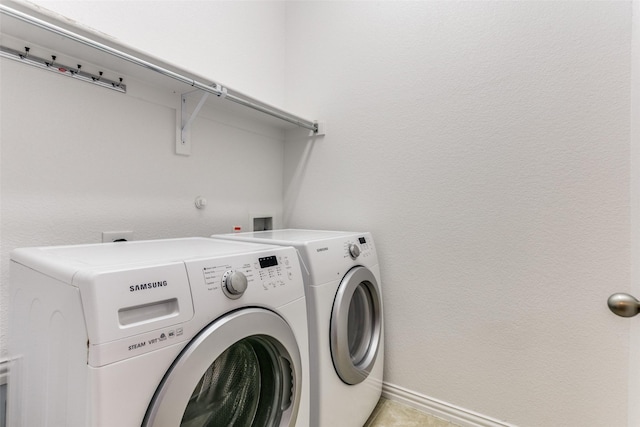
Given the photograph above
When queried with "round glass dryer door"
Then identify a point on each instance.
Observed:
(356, 325)
(228, 377)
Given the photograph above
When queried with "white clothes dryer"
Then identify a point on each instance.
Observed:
(344, 301)
(177, 332)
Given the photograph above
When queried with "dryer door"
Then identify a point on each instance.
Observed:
(356, 325)
(244, 369)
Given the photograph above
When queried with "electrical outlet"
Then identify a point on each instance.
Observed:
(116, 236)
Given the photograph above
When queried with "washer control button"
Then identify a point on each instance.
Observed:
(234, 283)
(354, 251)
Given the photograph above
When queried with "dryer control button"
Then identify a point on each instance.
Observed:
(354, 251)
(234, 283)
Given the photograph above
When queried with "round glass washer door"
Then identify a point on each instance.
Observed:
(356, 325)
(243, 370)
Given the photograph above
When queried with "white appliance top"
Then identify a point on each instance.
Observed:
(63, 262)
(290, 236)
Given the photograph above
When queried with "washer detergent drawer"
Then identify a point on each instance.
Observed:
(124, 303)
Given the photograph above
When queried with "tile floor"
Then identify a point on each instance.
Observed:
(393, 414)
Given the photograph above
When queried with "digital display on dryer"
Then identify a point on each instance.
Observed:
(268, 261)
(362, 240)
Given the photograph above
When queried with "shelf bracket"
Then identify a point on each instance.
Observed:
(183, 142)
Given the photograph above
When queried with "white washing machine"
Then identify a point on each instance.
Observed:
(344, 301)
(179, 332)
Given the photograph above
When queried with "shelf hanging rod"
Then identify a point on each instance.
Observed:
(215, 89)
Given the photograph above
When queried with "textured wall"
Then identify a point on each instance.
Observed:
(486, 146)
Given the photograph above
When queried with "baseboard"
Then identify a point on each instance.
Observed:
(440, 409)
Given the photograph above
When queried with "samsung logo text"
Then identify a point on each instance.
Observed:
(144, 286)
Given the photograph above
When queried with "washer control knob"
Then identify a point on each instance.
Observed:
(234, 283)
(354, 251)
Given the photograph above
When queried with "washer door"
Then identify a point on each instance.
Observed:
(356, 325)
(242, 370)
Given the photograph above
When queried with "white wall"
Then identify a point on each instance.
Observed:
(486, 146)
(78, 159)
